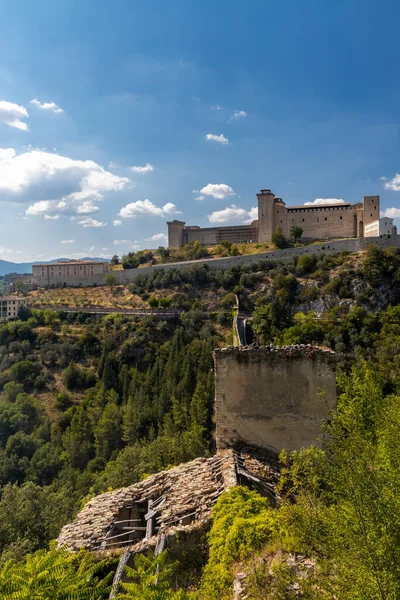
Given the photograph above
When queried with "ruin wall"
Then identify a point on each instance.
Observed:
(275, 398)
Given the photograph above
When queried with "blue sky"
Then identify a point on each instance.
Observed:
(141, 108)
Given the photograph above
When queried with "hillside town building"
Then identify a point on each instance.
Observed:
(318, 222)
(69, 273)
(10, 306)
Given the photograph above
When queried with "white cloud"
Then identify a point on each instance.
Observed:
(392, 213)
(68, 242)
(52, 217)
(11, 114)
(131, 244)
(86, 208)
(117, 223)
(216, 107)
(217, 190)
(233, 214)
(92, 248)
(383, 178)
(6, 250)
(318, 201)
(239, 114)
(200, 198)
(170, 209)
(158, 237)
(52, 106)
(221, 139)
(91, 223)
(37, 175)
(7, 153)
(146, 207)
(393, 184)
(148, 168)
(47, 208)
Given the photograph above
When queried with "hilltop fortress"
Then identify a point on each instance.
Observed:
(318, 221)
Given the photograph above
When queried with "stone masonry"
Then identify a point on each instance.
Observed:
(273, 397)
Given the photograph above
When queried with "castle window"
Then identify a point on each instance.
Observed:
(340, 218)
(281, 221)
(303, 220)
(326, 218)
(371, 214)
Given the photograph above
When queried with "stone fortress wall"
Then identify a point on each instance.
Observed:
(273, 398)
(351, 245)
(128, 275)
(324, 221)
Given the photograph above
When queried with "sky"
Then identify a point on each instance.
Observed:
(116, 117)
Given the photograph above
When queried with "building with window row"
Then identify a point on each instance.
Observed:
(9, 307)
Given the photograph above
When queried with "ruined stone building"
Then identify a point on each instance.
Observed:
(266, 399)
(318, 221)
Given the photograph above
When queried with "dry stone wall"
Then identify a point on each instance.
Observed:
(274, 398)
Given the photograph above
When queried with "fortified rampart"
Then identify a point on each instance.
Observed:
(351, 245)
(274, 398)
(125, 276)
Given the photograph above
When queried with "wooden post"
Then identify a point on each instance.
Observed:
(149, 518)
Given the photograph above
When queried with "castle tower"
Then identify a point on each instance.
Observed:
(175, 234)
(266, 224)
(370, 213)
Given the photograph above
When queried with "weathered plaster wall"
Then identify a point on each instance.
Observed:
(271, 397)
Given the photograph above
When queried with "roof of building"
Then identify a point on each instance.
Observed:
(341, 204)
(182, 499)
(70, 262)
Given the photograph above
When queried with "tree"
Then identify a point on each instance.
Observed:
(115, 260)
(296, 232)
(110, 280)
(278, 239)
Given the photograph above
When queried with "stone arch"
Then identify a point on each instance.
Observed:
(361, 229)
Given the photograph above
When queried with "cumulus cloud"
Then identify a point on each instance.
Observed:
(233, 214)
(91, 223)
(48, 208)
(318, 201)
(148, 168)
(170, 209)
(50, 106)
(392, 213)
(393, 184)
(68, 242)
(239, 114)
(7, 153)
(146, 207)
(37, 175)
(217, 190)
(199, 198)
(55, 184)
(221, 139)
(117, 223)
(86, 208)
(12, 114)
(158, 237)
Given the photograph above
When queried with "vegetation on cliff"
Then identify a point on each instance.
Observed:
(87, 405)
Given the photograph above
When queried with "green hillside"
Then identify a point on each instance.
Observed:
(90, 404)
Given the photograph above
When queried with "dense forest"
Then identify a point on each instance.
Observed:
(91, 404)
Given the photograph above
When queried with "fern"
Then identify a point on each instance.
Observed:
(54, 575)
